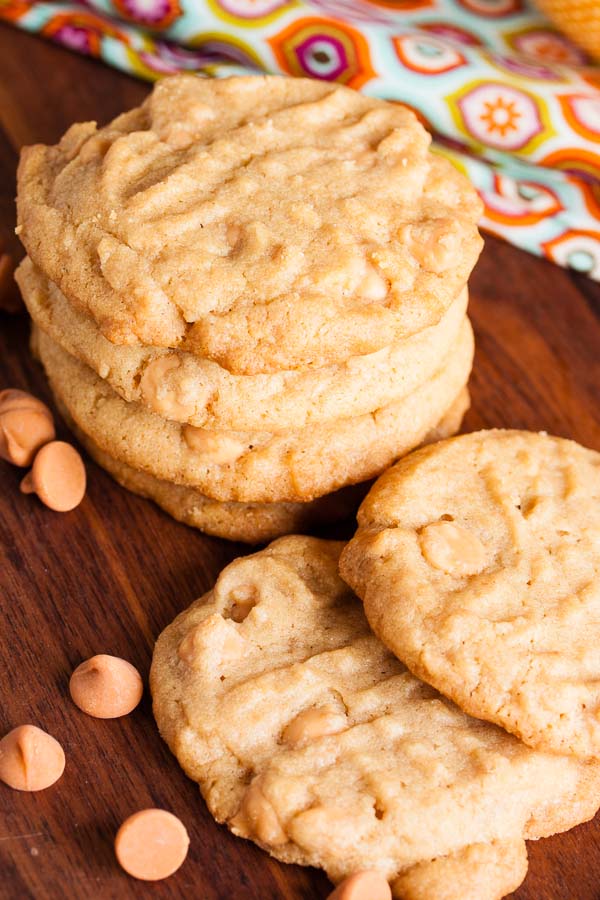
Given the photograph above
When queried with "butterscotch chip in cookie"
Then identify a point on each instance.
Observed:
(478, 563)
(57, 477)
(30, 759)
(219, 449)
(106, 687)
(265, 223)
(310, 738)
(452, 548)
(314, 723)
(173, 404)
(151, 844)
(257, 818)
(213, 643)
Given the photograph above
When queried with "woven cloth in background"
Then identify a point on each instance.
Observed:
(514, 104)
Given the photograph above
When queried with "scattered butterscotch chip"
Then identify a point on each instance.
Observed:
(106, 687)
(26, 424)
(363, 886)
(151, 844)
(452, 548)
(57, 477)
(13, 398)
(30, 759)
(22, 433)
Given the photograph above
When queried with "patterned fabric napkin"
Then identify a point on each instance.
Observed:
(512, 102)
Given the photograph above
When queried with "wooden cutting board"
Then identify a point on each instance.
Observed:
(110, 575)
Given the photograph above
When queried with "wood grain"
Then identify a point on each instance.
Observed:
(110, 575)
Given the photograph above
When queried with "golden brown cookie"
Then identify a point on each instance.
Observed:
(309, 737)
(478, 562)
(252, 523)
(188, 389)
(263, 222)
(293, 466)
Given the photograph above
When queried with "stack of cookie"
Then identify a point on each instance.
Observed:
(249, 295)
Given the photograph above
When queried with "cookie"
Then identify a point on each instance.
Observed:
(263, 222)
(188, 389)
(251, 523)
(478, 562)
(306, 735)
(257, 467)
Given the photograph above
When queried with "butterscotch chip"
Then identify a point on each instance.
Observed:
(257, 818)
(258, 222)
(57, 477)
(217, 448)
(452, 548)
(404, 784)
(161, 396)
(13, 398)
(314, 723)
(297, 465)
(287, 399)
(106, 687)
(22, 433)
(478, 562)
(215, 642)
(363, 886)
(30, 759)
(151, 844)
(26, 424)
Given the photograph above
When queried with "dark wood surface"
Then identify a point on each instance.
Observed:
(110, 575)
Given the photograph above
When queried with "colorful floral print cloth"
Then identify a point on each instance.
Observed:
(511, 101)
